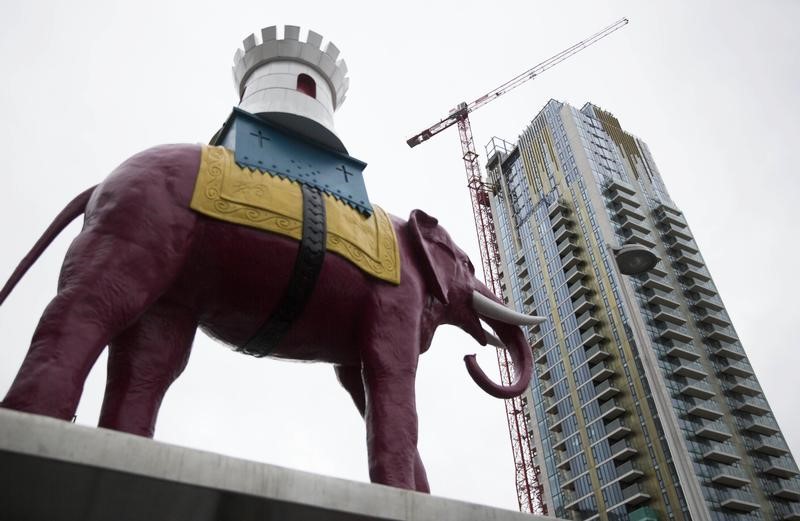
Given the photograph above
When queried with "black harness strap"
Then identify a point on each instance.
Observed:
(304, 277)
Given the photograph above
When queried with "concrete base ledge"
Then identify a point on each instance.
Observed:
(54, 470)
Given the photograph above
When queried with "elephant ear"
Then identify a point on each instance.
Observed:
(436, 265)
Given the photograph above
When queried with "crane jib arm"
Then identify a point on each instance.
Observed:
(463, 109)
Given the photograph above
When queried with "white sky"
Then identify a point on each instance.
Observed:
(710, 86)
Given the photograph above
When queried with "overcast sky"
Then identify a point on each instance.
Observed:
(712, 87)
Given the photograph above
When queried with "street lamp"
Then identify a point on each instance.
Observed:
(633, 259)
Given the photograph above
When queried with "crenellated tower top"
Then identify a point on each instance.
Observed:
(291, 82)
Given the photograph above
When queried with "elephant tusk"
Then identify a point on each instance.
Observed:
(493, 340)
(491, 309)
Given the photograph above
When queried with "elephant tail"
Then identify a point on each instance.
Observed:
(75, 208)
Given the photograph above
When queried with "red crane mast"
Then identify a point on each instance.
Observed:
(529, 491)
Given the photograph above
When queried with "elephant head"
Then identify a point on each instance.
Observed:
(463, 301)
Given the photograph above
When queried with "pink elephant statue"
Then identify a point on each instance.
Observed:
(146, 271)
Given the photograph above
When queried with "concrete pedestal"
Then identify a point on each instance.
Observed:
(56, 471)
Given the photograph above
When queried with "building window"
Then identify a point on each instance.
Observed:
(307, 85)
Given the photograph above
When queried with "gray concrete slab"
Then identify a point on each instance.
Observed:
(54, 470)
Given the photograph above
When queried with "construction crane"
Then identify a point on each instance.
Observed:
(529, 490)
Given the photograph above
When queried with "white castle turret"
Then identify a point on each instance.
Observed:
(295, 84)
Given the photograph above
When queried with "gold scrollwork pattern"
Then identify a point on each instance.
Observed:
(228, 192)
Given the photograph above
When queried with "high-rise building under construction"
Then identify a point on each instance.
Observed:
(643, 403)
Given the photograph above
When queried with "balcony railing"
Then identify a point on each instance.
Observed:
(611, 409)
(732, 351)
(562, 232)
(651, 280)
(721, 451)
(688, 258)
(559, 441)
(591, 337)
(679, 243)
(567, 245)
(664, 208)
(601, 372)
(698, 389)
(605, 390)
(704, 409)
(540, 357)
(571, 499)
(738, 500)
(721, 333)
(577, 289)
(750, 404)
(712, 429)
(675, 230)
(632, 223)
(660, 297)
(617, 429)
(582, 304)
(658, 269)
(586, 320)
(559, 214)
(730, 476)
(573, 274)
(634, 237)
(742, 385)
(544, 372)
(712, 317)
(550, 389)
(689, 369)
(596, 354)
(623, 450)
(787, 511)
(558, 424)
(737, 368)
(681, 350)
(528, 300)
(700, 286)
(760, 425)
(780, 466)
(550, 405)
(629, 471)
(693, 272)
(623, 209)
(666, 314)
(619, 186)
(618, 196)
(668, 217)
(568, 480)
(783, 488)
(634, 494)
(706, 301)
(571, 260)
(770, 445)
(673, 331)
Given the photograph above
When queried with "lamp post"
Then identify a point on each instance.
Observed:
(633, 259)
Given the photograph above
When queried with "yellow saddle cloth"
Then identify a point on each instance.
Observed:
(228, 192)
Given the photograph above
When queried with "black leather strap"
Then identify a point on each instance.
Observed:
(304, 277)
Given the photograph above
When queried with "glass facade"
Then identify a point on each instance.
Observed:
(643, 399)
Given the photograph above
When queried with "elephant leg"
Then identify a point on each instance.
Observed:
(351, 379)
(389, 372)
(143, 361)
(107, 282)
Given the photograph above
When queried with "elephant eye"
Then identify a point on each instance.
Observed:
(470, 267)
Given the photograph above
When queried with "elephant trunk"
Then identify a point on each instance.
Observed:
(511, 336)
